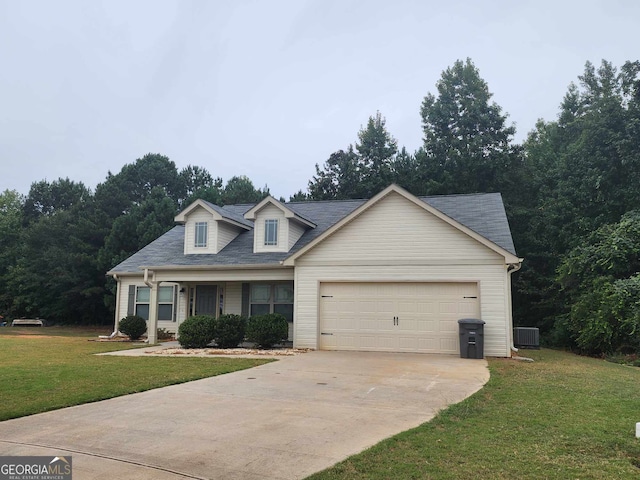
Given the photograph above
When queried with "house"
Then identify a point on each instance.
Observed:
(392, 273)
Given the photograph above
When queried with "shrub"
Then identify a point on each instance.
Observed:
(267, 330)
(229, 330)
(133, 326)
(164, 334)
(196, 331)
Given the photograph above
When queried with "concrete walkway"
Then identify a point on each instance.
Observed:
(283, 420)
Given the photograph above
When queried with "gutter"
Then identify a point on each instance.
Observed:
(511, 269)
(244, 266)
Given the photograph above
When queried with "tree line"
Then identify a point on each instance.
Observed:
(57, 242)
(571, 190)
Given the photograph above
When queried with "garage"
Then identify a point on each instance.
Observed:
(395, 317)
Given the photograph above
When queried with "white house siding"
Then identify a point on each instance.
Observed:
(123, 304)
(270, 212)
(396, 230)
(398, 241)
(295, 232)
(123, 295)
(225, 233)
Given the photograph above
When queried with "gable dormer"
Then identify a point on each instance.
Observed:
(208, 228)
(276, 227)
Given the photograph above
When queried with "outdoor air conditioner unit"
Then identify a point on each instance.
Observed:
(526, 337)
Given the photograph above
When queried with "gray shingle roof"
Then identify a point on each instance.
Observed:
(482, 213)
(232, 212)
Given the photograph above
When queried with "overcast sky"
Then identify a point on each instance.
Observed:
(268, 89)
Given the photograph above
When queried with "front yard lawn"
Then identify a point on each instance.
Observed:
(562, 417)
(48, 368)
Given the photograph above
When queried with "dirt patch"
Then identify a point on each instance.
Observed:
(285, 352)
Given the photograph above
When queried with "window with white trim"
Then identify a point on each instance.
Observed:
(142, 302)
(166, 303)
(271, 232)
(272, 298)
(201, 234)
(166, 300)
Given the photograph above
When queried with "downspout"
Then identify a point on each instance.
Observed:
(115, 326)
(511, 268)
(151, 332)
(145, 279)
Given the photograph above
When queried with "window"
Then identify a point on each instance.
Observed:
(166, 297)
(142, 302)
(272, 298)
(166, 303)
(201, 234)
(271, 232)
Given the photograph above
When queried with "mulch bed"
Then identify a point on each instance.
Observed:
(230, 351)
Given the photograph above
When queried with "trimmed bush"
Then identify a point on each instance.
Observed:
(133, 326)
(164, 334)
(196, 331)
(267, 330)
(229, 330)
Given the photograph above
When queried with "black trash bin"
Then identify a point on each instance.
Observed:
(471, 337)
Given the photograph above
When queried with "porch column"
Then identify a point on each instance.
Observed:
(152, 324)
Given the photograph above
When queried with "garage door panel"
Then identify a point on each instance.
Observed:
(449, 345)
(425, 326)
(447, 308)
(362, 316)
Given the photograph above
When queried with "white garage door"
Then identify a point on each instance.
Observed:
(395, 317)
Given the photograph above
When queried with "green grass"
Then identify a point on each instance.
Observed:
(44, 369)
(562, 417)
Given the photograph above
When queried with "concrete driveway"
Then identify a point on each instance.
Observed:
(283, 420)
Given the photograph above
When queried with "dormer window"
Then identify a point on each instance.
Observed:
(201, 234)
(271, 232)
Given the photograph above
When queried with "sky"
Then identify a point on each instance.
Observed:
(268, 89)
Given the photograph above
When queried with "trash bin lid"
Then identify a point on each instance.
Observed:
(471, 321)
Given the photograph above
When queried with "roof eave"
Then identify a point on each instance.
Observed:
(243, 266)
(288, 213)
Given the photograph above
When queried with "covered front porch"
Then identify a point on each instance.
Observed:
(166, 298)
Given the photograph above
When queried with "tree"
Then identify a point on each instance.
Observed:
(139, 203)
(376, 151)
(150, 172)
(300, 196)
(598, 167)
(467, 145)
(46, 198)
(240, 189)
(11, 210)
(143, 224)
(582, 171)
(339, 178)
(57, 277)
(536, 295)
(199, 183)
(404, 168)
(601, 281)
(135, 181)
(361, 172)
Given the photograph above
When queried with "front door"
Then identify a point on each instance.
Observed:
(206, 296)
